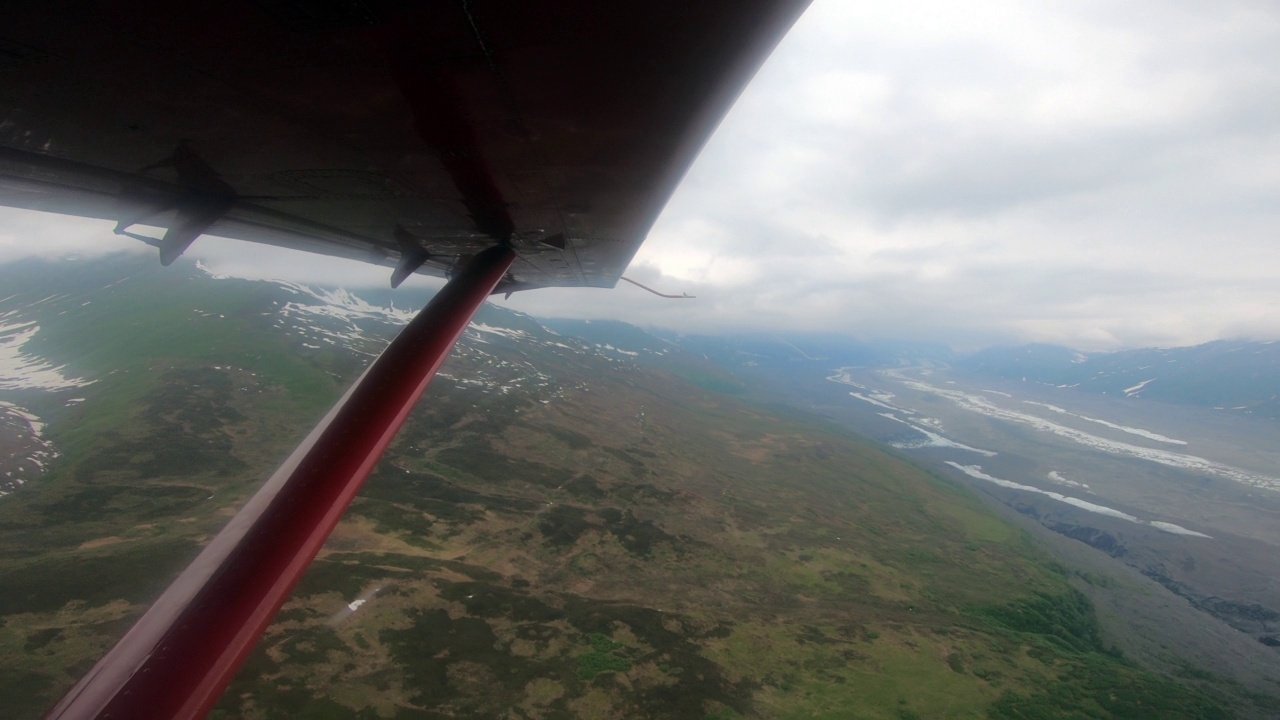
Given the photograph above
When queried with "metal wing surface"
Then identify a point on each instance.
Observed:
(409, 134)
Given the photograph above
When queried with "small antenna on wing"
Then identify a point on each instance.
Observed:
(681, 296)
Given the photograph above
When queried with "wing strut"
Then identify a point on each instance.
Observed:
(180, 656)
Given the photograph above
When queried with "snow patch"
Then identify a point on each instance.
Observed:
(982, 406)
(932, 439)
(1055, 476)
(873, 401)
(205, 269)
(975, 471)
(1138, 387)
(1122, 428)
(354, 605)
(21, 370)
(504, 332)
(1177, 529)
(37, 452)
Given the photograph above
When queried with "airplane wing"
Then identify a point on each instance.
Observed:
(398, 132)
(506, 144)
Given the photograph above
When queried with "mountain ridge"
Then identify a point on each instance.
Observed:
(1234, 376)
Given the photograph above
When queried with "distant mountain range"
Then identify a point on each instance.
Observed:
(1229, 375)
(1234, 376)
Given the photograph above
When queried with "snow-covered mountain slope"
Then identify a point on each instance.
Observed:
(124, 319)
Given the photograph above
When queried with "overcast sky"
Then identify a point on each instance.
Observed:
(1096, 174)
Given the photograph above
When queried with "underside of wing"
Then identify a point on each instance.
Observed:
(410, 134)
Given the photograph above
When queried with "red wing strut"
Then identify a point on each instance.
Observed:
(180, 656)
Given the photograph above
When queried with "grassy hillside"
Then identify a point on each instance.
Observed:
(608, 541)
